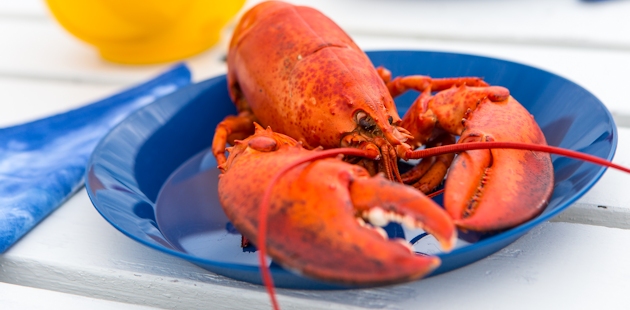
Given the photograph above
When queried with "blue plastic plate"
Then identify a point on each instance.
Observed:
(155, 168)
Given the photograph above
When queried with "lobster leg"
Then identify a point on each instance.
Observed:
(399, 85)
(448, 109)
(230, 129)
(430, 172)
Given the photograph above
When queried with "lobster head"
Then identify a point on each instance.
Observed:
(301, 74)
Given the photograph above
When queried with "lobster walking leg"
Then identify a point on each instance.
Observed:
(447, 110)
(430, 172)
(230, 129)
(399, 85)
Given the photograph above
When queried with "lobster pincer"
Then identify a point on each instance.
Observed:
(487, 190)
(497, 189)
(323, 215)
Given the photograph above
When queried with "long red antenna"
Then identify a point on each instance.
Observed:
(469, 146)
(436, 193)
(264, 210)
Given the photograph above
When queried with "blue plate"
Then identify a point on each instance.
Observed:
(155, 168)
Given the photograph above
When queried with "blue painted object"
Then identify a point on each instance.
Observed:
(161, 190)
(43, 162)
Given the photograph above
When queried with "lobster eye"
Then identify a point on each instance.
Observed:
(366, 124)
(365, 121)
(359, 116)
(390, 119)
(262, 144)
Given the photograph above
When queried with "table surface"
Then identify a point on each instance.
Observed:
(75, 259)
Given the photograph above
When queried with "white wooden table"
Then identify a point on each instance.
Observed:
(75, 259)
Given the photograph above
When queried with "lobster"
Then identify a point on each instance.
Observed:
(293, 70)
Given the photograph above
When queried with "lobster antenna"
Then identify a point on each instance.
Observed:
(469, 146)
(265, 204)
(436, 193)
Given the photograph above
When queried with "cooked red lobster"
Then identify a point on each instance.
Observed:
(292, 69)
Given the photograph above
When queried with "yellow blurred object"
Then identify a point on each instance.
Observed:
(145, 31)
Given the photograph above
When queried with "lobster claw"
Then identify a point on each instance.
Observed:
(490, 190)
(315, 226)
(325, 240)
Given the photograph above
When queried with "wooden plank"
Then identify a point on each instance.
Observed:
(555, 266)
(607, 203)
(26, 9)
(70, 60)
(22, 297)
(561, 22)
(533, 22)
(43, 50)
(26, 100)
(76, 251)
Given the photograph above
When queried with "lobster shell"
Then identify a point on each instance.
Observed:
(304, 76)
